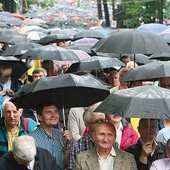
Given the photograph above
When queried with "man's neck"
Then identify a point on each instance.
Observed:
(103, 153)
(48, 130)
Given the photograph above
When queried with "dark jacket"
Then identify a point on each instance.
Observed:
(136, 150)
(43, 161)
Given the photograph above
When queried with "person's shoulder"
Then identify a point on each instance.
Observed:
(123, 153)
(35, 131)
(87, 153)
(160, 162)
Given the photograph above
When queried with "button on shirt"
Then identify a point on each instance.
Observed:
(107, 164)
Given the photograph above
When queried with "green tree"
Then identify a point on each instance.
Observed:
(134, 12)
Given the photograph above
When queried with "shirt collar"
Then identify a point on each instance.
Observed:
(112, 153)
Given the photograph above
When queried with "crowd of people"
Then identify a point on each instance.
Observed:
(35, 139)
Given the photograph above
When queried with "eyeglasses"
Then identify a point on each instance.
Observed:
(97, 121)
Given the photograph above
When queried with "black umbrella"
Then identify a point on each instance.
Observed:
(18, 67)
(150, 71)
(6, 14)
(19, 49)
(95, 63)
(133, 42)
(6, 31)
(140, 59)
(141, 102)
(50, 52)
(84, 47)
(66, 91)
(162, 57)
(52, 38)
(14, 21)
(88, 34)
(13, 39)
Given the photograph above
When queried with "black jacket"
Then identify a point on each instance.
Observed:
(43, 161)
(136, 149)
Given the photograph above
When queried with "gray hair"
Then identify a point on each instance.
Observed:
(24, 147)
(40, 70)
(88, 113)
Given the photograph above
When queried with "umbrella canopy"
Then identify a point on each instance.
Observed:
(162, 57)
(150, 71)
(140, 59)
(18, 67)
(54, 38)
(35, 35)
(95, 63)
(14, 21)
(13, 39)
(155, 28)
(50, 52)
(6, 31)
(6, 14)
(88, 34)
(66, 91)
(133, 42)
(19, 49)
(84, 47)
(85, 41)
(141, 102)
(166, 35)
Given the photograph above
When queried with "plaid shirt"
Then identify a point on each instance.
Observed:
(83, 144)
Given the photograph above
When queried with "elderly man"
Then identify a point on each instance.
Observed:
(147, 150)
(86, 142)
(104, 156)
(12, 125)
(26, 155)
(48, 136)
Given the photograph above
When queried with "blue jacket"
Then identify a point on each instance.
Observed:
(4, 135)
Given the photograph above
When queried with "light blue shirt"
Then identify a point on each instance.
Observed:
(53, 144)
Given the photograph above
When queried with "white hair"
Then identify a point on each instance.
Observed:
(24, 147)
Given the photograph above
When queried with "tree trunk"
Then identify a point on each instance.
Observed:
(106, 12)
(99, 8)
(160, 11)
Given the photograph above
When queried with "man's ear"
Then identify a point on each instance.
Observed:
(39, 117)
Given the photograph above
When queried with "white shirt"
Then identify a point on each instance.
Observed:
(107, 164)
(119, 134)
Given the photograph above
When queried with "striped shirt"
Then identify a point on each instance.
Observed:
(53, 144)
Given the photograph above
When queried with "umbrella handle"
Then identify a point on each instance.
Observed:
(64, 119)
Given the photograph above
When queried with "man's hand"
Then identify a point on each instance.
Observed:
(67, 136)
(9, 92)
(146, 150)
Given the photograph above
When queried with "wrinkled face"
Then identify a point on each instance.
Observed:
(113, 118)
(96, 118)
(37, 76)
(148, 130)
(49, 116)
(114, 79)
(164, 82)
(11, 114)
(104, 137)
